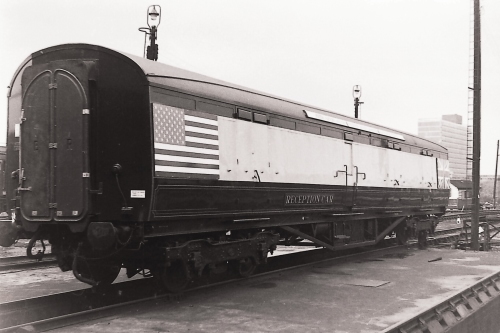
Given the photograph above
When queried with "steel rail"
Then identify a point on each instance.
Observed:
(9, 264)
(68, 308)
(454, 214)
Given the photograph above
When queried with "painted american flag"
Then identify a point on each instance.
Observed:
(186, 143)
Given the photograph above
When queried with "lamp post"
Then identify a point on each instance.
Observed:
(495, 183)
(356, 93)
(153, 19)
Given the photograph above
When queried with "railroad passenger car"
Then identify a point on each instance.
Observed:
(119, 161)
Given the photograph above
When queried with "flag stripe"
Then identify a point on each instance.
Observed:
(200, 140)
(167, 168)
(192, 148)
(202, 146)
(201, 135)
(184, 153)
(187, 165)
(201, 120)
(160, 158)
(185, 175)
(191, 123)
(201, 130)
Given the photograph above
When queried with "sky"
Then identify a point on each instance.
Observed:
(411, 57)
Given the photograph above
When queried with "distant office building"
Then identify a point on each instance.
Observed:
(448, 132)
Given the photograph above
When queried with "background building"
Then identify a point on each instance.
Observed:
(460, 195)
(448, 132)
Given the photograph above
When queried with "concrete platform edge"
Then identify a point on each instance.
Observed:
(474, 309)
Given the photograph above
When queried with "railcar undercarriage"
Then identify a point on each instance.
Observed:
(175, 261)
(345, 235)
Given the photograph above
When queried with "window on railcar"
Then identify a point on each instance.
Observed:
(362, 138)
(245, 115)
(348, 136)
(283, 123)
(376, 142)
(260, 118)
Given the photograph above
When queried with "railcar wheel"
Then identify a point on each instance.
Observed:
(245, 267)
(173, 278)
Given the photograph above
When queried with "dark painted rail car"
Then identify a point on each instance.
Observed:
(117, 157)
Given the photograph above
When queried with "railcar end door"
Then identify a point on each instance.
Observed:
(54, 174)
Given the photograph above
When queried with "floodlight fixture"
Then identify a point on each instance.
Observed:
(154, 16)
(356, 91)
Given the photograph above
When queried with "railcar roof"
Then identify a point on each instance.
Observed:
(184, 80)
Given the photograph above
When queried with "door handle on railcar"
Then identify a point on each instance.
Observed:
(359, 173)
(346, 174)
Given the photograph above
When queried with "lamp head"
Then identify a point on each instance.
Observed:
(154, 16)
(356, 91)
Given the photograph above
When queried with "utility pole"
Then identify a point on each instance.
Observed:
(476, 154)
(495, 182)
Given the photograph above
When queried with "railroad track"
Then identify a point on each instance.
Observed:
(58, 310)
(48, 312)
(67, 308)
(9, 264)
(452, 215)
(454, 232)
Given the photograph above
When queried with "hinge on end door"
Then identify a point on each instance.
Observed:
(24, 188)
